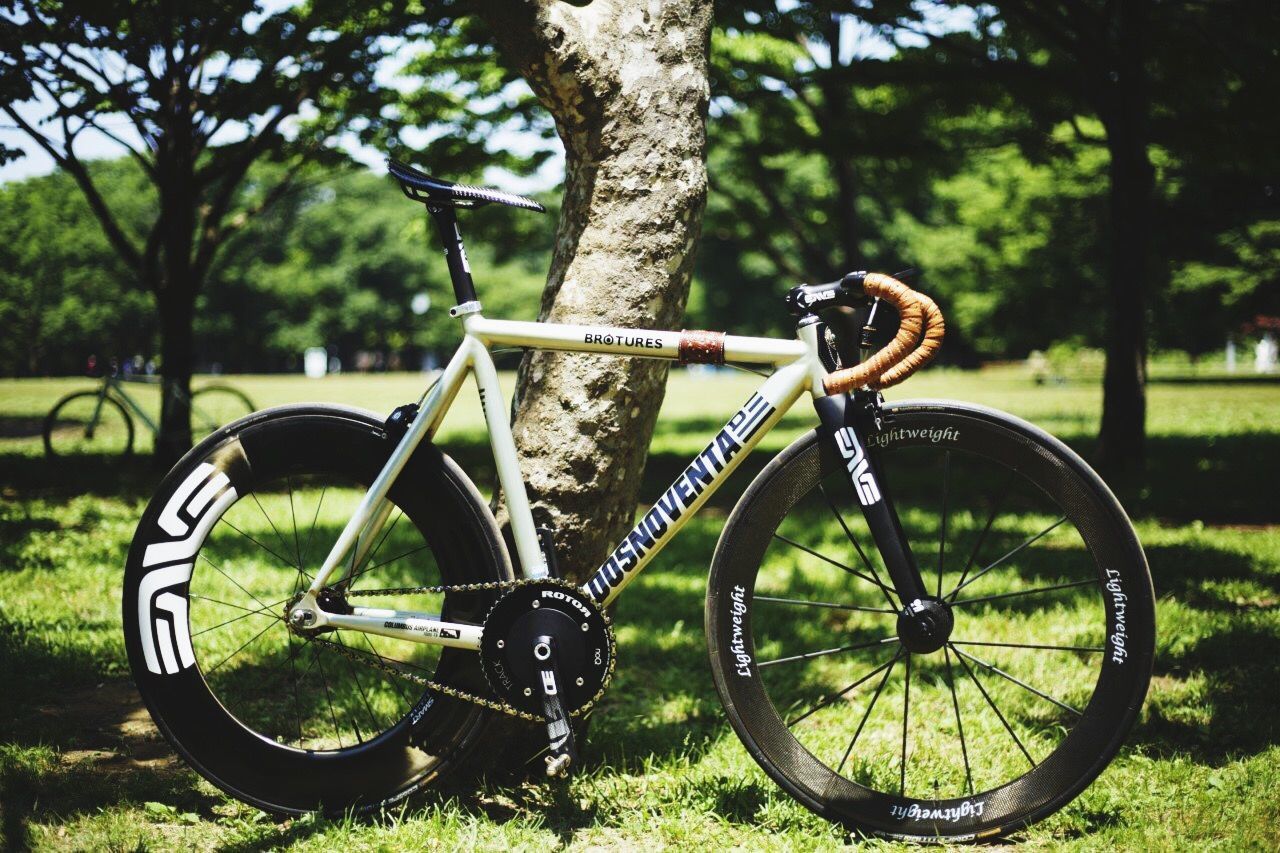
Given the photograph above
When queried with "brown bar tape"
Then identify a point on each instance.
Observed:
(698, 347)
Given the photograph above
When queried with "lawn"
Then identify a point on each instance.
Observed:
(81, 767)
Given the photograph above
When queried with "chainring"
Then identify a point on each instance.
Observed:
(583, 636)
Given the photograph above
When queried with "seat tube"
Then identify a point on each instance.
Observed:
(533, 562)
(455, 254)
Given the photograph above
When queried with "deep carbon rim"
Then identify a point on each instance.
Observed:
(250, 764)
(887, 794)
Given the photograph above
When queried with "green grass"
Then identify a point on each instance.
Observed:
(80, 768)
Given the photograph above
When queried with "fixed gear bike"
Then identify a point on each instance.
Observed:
(101, 420)
(925, 619)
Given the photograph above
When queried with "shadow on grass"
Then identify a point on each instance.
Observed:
(662, 707)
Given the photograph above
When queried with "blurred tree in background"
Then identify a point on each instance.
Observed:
(975, 143)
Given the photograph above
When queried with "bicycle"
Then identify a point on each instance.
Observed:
(101, 420)
(925, 619)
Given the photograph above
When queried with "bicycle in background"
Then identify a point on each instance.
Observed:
(101, 420)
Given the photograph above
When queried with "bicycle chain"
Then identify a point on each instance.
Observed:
(454, 692)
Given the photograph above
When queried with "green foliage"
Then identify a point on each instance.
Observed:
(64, 293)
(334, 263)
(338, 265)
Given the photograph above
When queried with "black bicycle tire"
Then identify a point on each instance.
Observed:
(46, 429)
(286, 780)
(220, 388)
(754, 513)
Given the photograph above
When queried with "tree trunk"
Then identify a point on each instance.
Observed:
(176, 309)
(627, 86)
(1122, 437)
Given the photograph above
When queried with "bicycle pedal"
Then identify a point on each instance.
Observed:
(558, 765)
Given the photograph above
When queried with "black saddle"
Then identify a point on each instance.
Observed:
(420, 186)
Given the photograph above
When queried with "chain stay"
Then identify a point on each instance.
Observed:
(453, 692)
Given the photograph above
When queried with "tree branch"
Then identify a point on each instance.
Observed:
(67, 160)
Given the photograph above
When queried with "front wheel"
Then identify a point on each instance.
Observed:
(288, 721)
(215, 405)
(1042, 674)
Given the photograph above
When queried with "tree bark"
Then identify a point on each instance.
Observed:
(627, 86)
(177, 309)
(1122, 436)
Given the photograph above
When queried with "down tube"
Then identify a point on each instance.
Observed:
(699, 481)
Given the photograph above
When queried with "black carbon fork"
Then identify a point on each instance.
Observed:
(847, 423)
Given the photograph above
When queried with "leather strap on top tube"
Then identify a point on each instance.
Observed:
(920, 332)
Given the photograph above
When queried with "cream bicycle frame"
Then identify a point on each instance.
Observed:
(798, 369)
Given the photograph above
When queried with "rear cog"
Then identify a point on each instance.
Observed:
(583, 638)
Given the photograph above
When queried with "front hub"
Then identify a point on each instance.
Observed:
(925, 624)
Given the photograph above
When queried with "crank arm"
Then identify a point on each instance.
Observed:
(561, 751)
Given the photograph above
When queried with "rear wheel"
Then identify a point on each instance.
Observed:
(293, 723)
(1041, 676)
(215, 405)
(87, 422)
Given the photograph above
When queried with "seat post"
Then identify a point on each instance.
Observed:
(455, 254)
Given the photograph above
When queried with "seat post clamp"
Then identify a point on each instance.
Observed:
(472, 307)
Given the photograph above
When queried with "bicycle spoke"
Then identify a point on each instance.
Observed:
(394, 682)
(233, 580)
(293, 517)
(861, 554)
(293, 669)
(955, 703)
(360, 687)
(239, 650)
(824, 703)
(227, 603)
(955, 642)
(867, 713)
(260, 612)
(1025, 544)
(996, 506)
(283, 561)
(942, 530)
(1024, 592)
(408, 553)
(254, 495)
(394, 663)
(998, 671)
(810, 655)
(992, 703)
(385, 534)
(328, 696)
(312, 532)
(906, 713)
(826, 559)
(824, 604)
